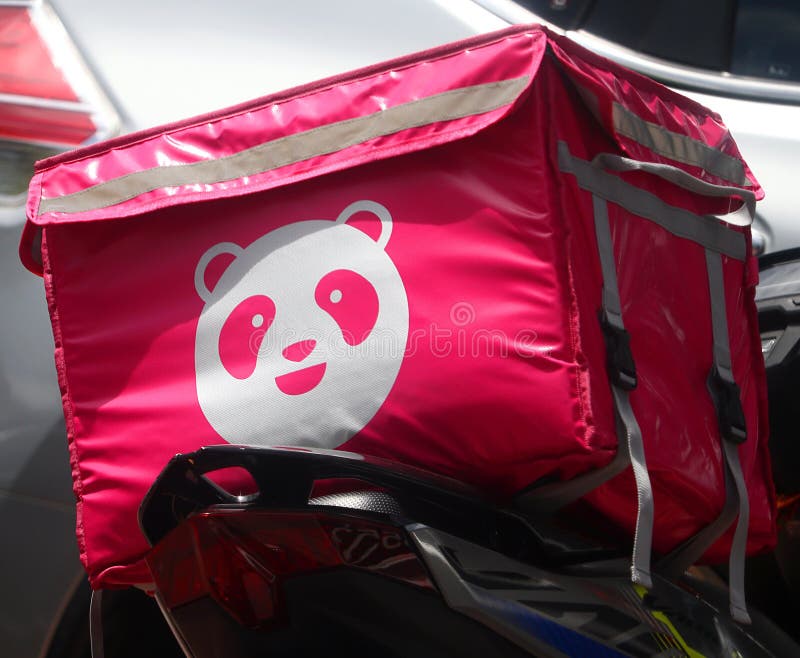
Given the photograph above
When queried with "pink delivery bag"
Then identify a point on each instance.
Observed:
(505, 260)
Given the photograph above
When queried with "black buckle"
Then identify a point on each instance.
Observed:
(619, 358)
(727, 401)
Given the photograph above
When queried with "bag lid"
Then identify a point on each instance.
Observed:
(382, 111)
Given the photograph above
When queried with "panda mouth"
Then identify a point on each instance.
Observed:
(301, 381)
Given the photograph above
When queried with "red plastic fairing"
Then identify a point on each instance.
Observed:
(239, 558)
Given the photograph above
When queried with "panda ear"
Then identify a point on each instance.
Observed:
(200, 271)
(376, 209)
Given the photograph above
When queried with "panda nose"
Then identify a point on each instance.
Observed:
(299, 350)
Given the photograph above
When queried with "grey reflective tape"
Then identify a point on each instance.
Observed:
(678, 147)
(330, 138)
(688, 182)
(706, 231)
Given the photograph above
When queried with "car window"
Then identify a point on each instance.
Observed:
(757, 38)
(767, 40)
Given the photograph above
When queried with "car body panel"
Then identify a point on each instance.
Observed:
(205, 59)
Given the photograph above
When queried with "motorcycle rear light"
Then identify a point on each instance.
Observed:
(240, 558)
(49, 101)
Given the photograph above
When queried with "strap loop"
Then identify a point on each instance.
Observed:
(679, 177)
(706, 230)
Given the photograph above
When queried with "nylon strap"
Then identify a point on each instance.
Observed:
(549, 498)
(643, 533)
(705, 230)
(630, 447)
(717, 240)
(688, 553)
(685, 180)
(722, 362)
(612, 306)
(96, 624)
(737, 561)
(736, 500)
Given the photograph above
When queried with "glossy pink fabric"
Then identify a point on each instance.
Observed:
(500, 380)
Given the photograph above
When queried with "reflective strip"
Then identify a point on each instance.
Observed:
(704, 230)
(722, 361)
(324, 140)
(678, 147)
(685, 180)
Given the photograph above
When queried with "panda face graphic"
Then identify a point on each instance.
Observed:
(301, 338)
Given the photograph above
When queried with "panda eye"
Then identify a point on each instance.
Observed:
(242, 333)
(351, 301)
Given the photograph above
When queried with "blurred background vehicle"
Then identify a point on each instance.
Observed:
(75, 71)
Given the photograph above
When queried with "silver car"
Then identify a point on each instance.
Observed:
(75, 71)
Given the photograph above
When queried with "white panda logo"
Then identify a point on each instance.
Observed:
(302, 337)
